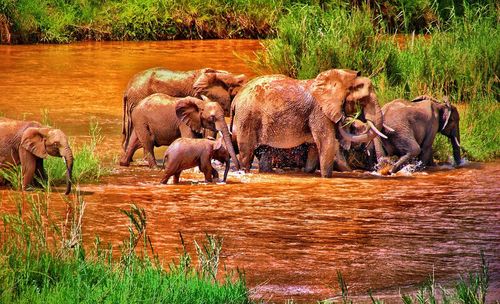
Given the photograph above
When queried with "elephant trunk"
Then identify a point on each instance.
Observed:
(373, 113)
(374, 117)
(455, 143)
(67, 156)
(222, 127)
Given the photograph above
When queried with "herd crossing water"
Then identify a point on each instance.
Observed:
(289, 231)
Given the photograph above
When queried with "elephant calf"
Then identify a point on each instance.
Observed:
(27, 143)
(411, 127)
(185, 153)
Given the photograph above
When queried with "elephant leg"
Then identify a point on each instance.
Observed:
(133, 145)
(177, 176)
(312, 159)
(412, 151)
(426, 153)
(341, 162)
(327, 144)
(246, 155)
(28, 167)
(266, 161)
(206, 167)
(149, 153)
(215, 174)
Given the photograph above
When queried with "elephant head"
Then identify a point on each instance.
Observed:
(220, 86)
(41, 142)
(198, 114)
(340, 92)
(449, 126)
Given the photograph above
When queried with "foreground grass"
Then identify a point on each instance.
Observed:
(43, 260)
(459, 59)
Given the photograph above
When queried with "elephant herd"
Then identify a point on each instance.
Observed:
(282, 121)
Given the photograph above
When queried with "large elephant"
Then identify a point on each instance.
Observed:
(411, 127)
(160, 119)
(27, 143)
(282, 112)
(219, 86)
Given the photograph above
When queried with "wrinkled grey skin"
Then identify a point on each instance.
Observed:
(219, 86)
(185, 153)
(282, 112)
(160, 119)
(411, 127)
(27, 143)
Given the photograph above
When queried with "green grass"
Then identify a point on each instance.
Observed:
(63, 21)
(459, 59)
(87, 165)
(43, 260)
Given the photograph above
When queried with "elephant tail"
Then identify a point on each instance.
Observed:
(232, 118)
(124, 121)
(130, 126)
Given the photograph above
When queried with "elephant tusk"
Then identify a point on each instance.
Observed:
(456, 141)
(388, 128)
(372, 126)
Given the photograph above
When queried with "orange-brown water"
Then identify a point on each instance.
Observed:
(291, 232)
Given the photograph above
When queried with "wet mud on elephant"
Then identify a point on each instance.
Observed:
(282, 112)
(219, 86)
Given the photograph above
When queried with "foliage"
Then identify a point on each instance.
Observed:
(63, 21)
(43, 260)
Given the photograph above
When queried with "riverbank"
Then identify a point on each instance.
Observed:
(38, 21)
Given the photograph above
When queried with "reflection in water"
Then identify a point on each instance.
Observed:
(290, 232)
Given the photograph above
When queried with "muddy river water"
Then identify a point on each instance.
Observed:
(289, 231)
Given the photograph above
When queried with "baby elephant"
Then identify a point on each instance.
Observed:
(185, 153)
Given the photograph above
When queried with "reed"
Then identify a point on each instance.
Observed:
(45, 260)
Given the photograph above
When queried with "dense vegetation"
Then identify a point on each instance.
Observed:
(70, 20)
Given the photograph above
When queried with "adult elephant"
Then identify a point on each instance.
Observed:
(27, 143)
(160, 119)
(219, 86)
(282, 112)
(411, 127)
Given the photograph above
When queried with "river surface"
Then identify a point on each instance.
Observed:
(291, 232)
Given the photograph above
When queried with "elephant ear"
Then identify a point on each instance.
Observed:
(189, 113)
(209, 77)
(231, 80)
(330, 88)
(218, 144)
(33, 140)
